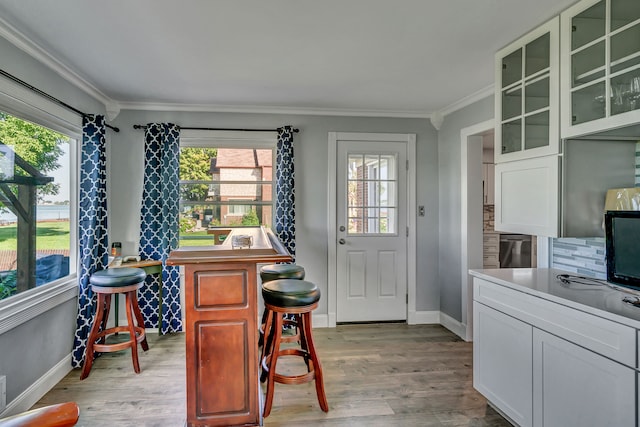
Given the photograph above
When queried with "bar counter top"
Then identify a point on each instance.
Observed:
(265, 247)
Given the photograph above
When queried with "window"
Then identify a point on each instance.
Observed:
(35, 170)
(372, 200)
(226, 180)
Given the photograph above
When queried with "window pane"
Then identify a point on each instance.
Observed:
(355, 163)
(39, 159)
(371, 185)
(222, 188)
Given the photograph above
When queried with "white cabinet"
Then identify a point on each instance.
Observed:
(562, 196)
(502, 358)
(546, 364)
(527, 194)
(600, 66)
(527, 96)
(488, 183)
(577, 387)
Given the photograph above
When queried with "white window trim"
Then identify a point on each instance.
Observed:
(25, 104)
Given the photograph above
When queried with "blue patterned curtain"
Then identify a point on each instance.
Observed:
(92, 225)
(285, 203)
(159, 225)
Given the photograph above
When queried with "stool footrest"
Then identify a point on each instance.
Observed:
(107, 348)
(294, 379)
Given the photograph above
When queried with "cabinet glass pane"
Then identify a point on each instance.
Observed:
(625, 48)
(588, 103)
(587, 65)
(536, 130)
(537, 55)
(511, 103)
(536, 95)
(625, 92)
(512, 68)
(588, 25)
(624, 12)
(511, 136)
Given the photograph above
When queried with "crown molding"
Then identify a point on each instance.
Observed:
(467, 100)
(213, 108)
(25, 44)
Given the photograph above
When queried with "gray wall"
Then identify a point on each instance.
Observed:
(311, 152)
(29, 351)
(449, 262)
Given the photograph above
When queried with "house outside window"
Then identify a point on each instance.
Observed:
(225, 181)
(35, 166)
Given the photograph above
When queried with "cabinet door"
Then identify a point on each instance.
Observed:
(527, 94)
(573, 386)
(600, 63)
(502, 358)
(526, 199)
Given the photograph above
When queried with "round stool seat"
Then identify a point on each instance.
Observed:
(116, 277)
(281, 271)
(290, 293)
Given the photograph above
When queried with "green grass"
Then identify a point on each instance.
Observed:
(209, 241)
(49, 235)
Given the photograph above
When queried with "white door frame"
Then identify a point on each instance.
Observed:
(470, 217)
(332, 229)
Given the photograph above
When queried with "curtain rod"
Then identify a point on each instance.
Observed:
(49, 97)
(295, 130)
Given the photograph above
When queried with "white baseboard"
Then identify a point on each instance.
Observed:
(320, 320)
(453, 325)
(35, 391)
(423, 317)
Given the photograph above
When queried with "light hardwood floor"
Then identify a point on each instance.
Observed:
(375, 375)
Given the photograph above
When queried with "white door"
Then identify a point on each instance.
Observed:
(371, 222)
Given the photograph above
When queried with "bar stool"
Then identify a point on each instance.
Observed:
(105, 283)
(274, 272)
(298, 297)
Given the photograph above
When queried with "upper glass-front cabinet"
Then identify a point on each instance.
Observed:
(600, 66)
(527, 93)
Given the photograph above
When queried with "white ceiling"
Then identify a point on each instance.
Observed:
(366, 57)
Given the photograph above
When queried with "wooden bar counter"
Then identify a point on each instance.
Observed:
(221, 326)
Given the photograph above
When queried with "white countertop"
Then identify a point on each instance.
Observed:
(599, 300)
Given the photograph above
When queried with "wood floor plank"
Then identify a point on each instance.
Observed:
(375, 375)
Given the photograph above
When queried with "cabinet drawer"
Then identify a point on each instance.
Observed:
(491, 239)
(491, 265)
(490, 259)
(602, 336)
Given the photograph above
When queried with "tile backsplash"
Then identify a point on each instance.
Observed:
(581, 256)
(488, 218)
(585, 256)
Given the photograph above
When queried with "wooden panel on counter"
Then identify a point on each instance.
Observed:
(221, 327)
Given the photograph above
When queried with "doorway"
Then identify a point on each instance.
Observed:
(371, 222)
(471, 215)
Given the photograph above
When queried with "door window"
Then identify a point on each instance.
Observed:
(372, 200)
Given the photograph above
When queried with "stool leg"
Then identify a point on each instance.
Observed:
(268, 328)
(105, 316)
(274, 350)
(303, 340)
(139, 319)
(132, 332)
(95, 328)
(263, 324)
(317, 368)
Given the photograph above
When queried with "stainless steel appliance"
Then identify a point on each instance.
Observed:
(515, 251)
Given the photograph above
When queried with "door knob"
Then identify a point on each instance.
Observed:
(342, 241)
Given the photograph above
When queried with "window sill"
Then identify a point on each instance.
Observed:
(22, 308)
